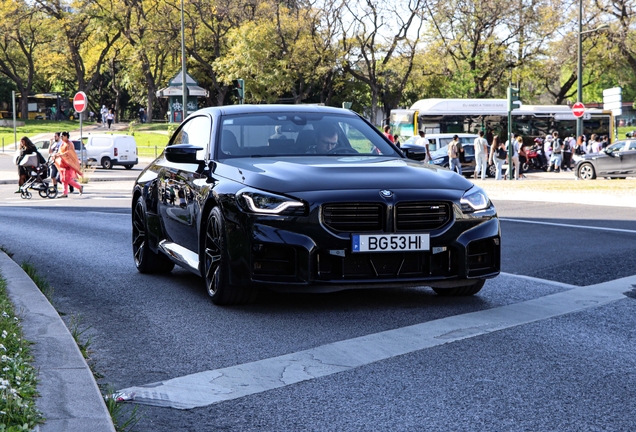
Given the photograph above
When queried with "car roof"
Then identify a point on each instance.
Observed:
(268, 108)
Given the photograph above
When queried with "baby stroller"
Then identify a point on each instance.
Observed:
(38, 173)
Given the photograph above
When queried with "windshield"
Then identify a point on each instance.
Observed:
(290, 134)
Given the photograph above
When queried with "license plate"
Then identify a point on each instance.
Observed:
(390, 242)
(124, 158)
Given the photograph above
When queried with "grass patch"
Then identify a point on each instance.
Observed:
(39, 281)
(600, 186)
(18, 379)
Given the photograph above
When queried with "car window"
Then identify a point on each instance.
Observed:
(195, 131)
(632, 145)
(289, 134)
(617, 146)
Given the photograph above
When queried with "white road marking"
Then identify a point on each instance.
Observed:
(569, 225)
(209, 387)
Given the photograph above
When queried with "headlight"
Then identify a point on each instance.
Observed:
(438, 161)
(266, 203)
(474, 199)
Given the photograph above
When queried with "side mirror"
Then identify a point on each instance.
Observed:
(415, 154)
(182, 153)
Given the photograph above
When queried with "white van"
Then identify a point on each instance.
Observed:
(110, 150)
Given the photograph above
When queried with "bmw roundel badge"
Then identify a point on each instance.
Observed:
(386, 193)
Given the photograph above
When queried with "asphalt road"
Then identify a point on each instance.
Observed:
(569, 373)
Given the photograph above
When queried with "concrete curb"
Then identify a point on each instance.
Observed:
(70, 399)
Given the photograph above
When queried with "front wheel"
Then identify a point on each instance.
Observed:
(51, 192)
(26, 195)
(466, 290)
(146, 260)
(216, 267)
(128, 167)
(586, 172)
(107, 163)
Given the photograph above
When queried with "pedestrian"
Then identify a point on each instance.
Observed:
(103, 112)
(556, 158)
(68, 165)
(595, 144)
(454, 150)
(568, 146)
(26, 148)
(423, 141)
(396, 140)
(497, 156)
(604, 142)
(54, 147)
(547, 147)
(387, 133)
(514, 144)
(579, 149)
(523, 158)
(110, 117)
(481, 155)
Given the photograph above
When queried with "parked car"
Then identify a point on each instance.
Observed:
(109, 150)
(43, 148)
(615, 161)
(439, 140)
(245, 211)
(467, 159)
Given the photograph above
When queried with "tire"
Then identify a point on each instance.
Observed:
(128, 167)
(26, 195)
(107, 163)
(215, 264)
(146, 260)
(43, 193)
(586, 172)
(467, 290)
(525, 167)
(51, 192)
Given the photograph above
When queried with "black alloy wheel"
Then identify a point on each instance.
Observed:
(215, 265)
(146, 260)
(466, 290)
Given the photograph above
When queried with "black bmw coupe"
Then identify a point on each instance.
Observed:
(307, 199)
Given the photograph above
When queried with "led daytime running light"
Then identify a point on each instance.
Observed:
(280, 208)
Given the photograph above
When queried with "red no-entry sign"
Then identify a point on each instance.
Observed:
(80, 102)
(578, 109)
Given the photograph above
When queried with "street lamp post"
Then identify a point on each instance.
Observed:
(184, 86)
(579, 69)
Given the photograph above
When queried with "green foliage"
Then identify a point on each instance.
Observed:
(18, 378)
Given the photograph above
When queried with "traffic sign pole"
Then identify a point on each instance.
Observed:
(80, 103)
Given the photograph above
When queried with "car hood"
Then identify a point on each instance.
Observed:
(295, 174)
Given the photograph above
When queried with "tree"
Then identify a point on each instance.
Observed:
(485, 40)
(20, 25)
(83, 31)
(372, 33)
